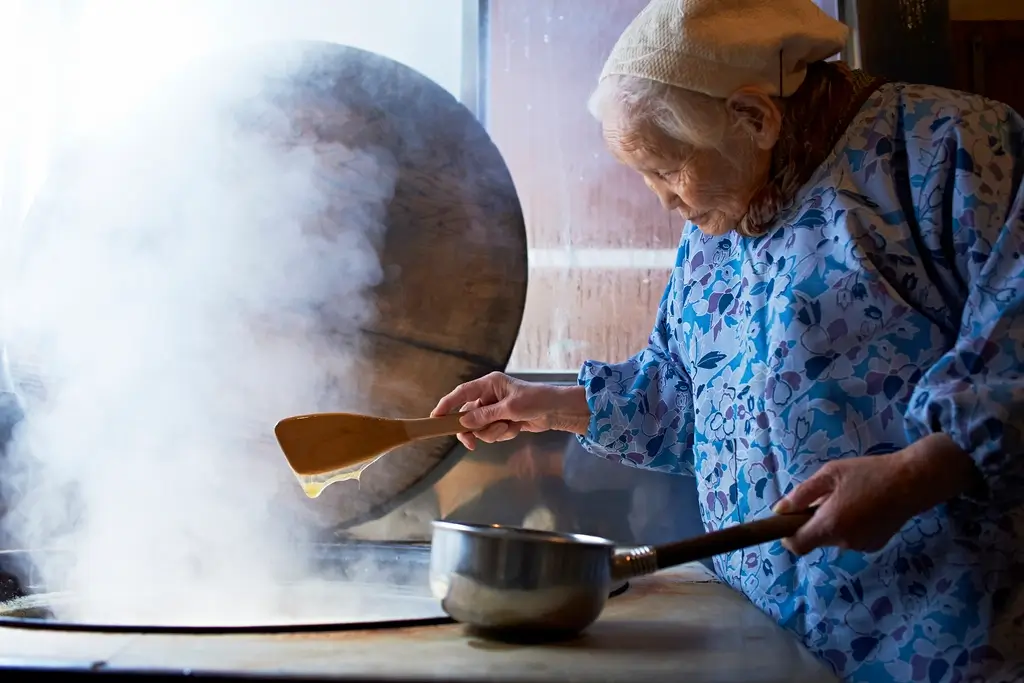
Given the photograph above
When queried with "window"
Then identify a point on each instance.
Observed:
(424, 35)
(601, 247)
(78, 63)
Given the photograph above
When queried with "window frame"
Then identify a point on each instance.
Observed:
(475, 57)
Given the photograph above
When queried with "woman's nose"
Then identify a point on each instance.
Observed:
(668, 198)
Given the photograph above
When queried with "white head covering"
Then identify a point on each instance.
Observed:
(719, 46)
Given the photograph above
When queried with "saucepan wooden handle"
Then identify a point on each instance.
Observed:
(732, 539)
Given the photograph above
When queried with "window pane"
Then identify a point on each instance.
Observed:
(600, 244)
(159, 35)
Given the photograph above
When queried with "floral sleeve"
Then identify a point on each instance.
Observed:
(971, 214)
(642, 409)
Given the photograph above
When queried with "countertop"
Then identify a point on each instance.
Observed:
(680, 625)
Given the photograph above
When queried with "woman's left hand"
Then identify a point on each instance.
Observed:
(862, 502)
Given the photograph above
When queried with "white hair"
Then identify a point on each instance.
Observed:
(692, 118)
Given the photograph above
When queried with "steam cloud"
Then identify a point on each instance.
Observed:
(172, 301)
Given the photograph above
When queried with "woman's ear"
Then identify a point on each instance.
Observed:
(757, 114)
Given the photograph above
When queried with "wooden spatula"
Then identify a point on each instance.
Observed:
(327, 442)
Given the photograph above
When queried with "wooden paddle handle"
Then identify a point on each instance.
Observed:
(430, 427)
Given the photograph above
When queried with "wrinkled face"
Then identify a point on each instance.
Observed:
(710, 187)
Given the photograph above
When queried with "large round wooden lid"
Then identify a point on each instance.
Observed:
(450, 240)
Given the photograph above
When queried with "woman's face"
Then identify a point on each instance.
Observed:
(710, 187)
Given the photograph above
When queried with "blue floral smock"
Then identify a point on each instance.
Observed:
(886, 304)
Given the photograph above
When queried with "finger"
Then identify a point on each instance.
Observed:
(492, 432)
(806, 494)
(464, 393)
(806, 540)
(466, 438)
(512, 431)
(469, 407)
(818, 532)
(534, 429)
(480, 417)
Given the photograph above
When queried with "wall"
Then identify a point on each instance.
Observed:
(987, 48)
(986, 10)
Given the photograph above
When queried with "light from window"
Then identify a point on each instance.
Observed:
(122, 47)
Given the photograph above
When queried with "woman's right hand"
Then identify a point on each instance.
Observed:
(498, 407)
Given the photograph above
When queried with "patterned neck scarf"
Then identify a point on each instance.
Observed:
(814, 119)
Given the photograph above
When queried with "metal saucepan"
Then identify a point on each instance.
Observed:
(511, 582)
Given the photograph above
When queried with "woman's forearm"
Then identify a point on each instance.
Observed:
(570, 411)
(949, 471)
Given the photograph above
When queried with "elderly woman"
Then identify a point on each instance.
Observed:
(844, 325)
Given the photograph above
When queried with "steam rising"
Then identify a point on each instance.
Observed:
(173, 301)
